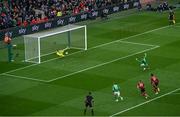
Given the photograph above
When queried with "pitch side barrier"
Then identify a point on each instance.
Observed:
(57, 22)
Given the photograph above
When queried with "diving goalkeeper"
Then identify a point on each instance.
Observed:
(62, 52)
(143, 62)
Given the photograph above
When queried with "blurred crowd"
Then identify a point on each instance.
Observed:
(161, 7)
(25, 12)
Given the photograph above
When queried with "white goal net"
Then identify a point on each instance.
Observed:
(43, 44)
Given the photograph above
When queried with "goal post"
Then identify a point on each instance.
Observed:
(31, 48)
(46, 43)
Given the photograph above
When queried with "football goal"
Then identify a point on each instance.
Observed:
(46, 43)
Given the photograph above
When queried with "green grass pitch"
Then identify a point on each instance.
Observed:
(58, 87)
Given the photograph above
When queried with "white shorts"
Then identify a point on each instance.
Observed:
(117, 93)
(142, 65)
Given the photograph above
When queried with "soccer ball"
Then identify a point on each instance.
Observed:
(66, 52)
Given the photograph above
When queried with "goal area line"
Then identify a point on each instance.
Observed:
(54, 52)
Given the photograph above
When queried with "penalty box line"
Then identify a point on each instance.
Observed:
(142, 44)
(23, 77)
(146, 102)
(175, 94)
(102, 64)
(89, 68)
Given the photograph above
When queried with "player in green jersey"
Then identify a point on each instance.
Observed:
(143, 62)
(116, 92)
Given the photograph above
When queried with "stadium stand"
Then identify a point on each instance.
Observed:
(24, 12)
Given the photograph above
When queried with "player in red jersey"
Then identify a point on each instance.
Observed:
(154, 83)
(141, 86)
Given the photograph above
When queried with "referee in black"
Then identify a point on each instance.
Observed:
(89, 100)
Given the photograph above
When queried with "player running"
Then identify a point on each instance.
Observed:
(154, 83)
(89, 100)
(143, 62)
(62, 52)
(116, 92)
(141, 86)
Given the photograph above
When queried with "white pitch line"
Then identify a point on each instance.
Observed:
(38, 64)
(175, 93)
(99, 65)
(149, 31)
(143, 44)
(34, 79)
(130, 37)
(22, 77)
(146, 102)
(101, 45)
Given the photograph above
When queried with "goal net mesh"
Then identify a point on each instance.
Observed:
(42, 46)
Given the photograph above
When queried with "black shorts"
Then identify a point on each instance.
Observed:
(142, 91)
(156, 83)
(88, 104)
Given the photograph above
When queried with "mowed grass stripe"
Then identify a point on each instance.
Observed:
(78, 63)
(22, 77)
(91, 48)
(99, 65)
(99, 80)
(146, 102)
(55, 78)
